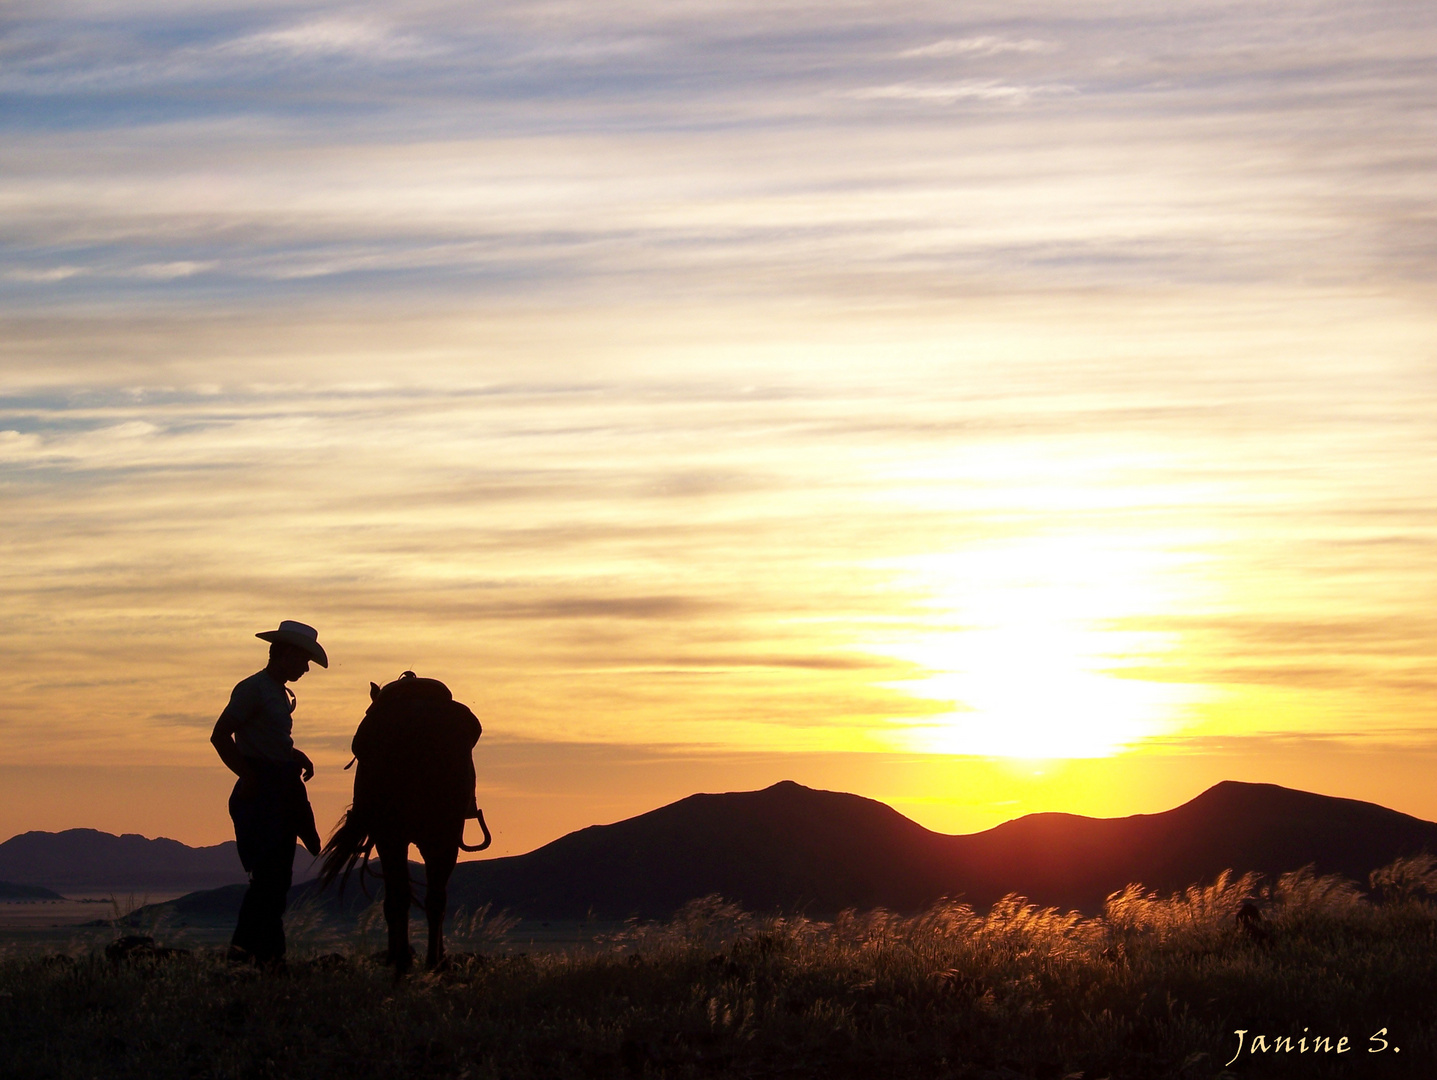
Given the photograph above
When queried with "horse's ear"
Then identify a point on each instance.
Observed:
(374, 691)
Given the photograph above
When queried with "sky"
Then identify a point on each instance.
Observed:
(985, 408)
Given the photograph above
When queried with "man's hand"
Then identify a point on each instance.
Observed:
(306, 766)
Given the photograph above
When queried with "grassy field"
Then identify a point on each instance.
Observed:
(1155, 987)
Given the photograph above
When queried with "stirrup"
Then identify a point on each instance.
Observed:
(487, 838)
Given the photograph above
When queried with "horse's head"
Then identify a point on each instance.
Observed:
(410, 687)
(374, 688)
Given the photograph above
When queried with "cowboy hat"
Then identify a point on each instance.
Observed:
(300, 636)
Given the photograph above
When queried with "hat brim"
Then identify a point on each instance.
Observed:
(289, 637)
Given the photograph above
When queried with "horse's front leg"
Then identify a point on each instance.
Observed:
(439, 858)
(394, 861)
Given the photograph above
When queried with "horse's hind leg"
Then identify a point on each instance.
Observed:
(439, 859)
(394, 861)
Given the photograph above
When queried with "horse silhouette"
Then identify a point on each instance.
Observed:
(414, 785)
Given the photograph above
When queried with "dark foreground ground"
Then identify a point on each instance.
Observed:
(1154, 988)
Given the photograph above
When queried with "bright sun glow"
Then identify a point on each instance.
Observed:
(1029, 641)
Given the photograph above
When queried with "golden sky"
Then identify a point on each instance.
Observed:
(985, 411)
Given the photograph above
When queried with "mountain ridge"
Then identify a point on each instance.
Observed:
(791, 848)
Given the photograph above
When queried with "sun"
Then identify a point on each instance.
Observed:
(1036, 645)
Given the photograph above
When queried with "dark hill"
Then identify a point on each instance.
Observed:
(792, 848)
(785, 847)
(1073, 861)
(86, 860)
(10, 893)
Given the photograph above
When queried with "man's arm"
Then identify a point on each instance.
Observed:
(223, 736)
(223, 740)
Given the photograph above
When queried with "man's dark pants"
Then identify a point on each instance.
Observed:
(265, 833)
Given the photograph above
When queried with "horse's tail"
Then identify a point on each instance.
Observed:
(348, 845)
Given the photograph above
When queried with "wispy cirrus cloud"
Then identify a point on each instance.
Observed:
(948, 93)
(981, 45)
(360, 39)
(44, 275)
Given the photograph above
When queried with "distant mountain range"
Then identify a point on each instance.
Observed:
(792, 848)
(79, 861)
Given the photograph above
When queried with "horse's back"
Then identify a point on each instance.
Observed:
(415, 758)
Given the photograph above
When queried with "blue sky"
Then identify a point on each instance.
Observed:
(209, 153)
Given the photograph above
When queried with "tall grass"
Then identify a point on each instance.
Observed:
(1153, 987)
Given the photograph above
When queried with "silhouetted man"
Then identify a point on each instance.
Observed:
(269, 805)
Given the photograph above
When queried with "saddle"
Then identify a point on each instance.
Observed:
(414, 749)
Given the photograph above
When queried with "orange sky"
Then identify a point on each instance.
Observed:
(985, 416)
